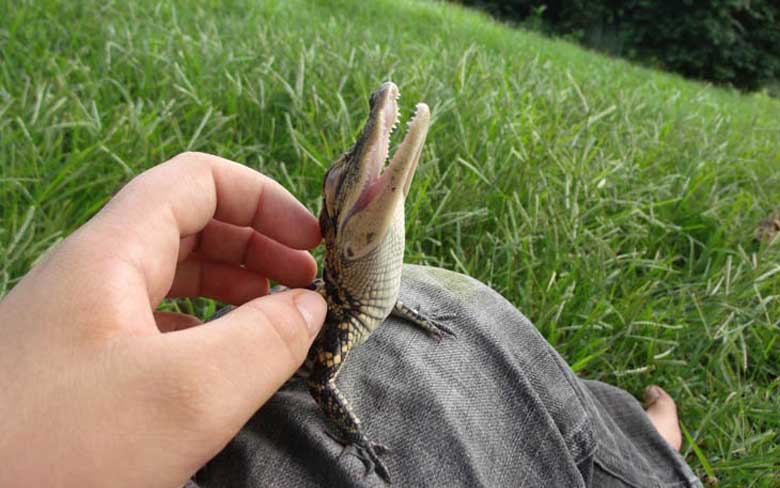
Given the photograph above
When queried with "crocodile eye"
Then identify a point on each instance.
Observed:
(332, 183)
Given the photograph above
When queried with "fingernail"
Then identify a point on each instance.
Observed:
(312, 307)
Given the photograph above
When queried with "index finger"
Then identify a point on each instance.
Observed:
(179, 197)
(198, 186)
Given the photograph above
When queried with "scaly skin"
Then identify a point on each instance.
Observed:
(362, 221)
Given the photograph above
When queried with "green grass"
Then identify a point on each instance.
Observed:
(615, 206)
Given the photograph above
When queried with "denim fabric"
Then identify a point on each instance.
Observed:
(496, 406)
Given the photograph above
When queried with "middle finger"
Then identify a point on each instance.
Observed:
(244, 246)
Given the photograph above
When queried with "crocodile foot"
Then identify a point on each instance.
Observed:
(368, 452)
(432, 327)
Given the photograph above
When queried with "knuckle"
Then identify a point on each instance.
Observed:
(187, 398)
(191, 156)
(135, 184)
(189, 164)
(173, 392)
(286, 326)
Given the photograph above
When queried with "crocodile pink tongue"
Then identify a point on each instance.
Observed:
(401, 168)
(379, 155)
(368, 194)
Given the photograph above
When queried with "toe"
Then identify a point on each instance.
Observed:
(663, 414)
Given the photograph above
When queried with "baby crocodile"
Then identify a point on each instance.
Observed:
(362, 222)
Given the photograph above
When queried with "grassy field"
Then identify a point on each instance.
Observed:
(615, 206)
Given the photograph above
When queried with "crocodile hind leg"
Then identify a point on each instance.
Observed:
(321, 382)
(432, 327)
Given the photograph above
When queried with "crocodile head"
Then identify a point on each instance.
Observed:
(362, 213)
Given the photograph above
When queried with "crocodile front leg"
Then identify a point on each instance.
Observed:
(432, 327)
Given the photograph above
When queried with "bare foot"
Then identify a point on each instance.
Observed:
(663, 414)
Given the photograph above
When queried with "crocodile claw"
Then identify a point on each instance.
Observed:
(370, 456)
(442, 329)
(431, 326)
(368, 452)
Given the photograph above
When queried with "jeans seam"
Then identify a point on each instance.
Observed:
(604, 457)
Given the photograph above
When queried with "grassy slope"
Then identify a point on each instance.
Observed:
(615, 206)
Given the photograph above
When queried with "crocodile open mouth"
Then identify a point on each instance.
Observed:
(380, 178)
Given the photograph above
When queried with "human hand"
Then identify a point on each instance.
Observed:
(96, 387)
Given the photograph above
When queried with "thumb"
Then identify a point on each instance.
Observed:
(229, 367)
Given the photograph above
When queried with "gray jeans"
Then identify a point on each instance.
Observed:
(496, 406)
